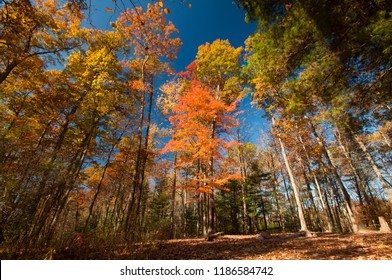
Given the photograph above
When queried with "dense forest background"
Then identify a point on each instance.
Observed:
(83, 154)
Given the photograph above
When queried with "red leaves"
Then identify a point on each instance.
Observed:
(189, 73)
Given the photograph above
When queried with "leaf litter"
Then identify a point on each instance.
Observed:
(280, 246)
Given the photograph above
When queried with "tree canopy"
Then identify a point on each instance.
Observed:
(102, 140)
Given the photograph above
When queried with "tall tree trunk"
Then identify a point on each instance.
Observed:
(262, 204)
(286, 189)
(211, 196)
(65, 188)
(333, 195)
(346, 196)
(310, 195)
(144, 158)
(324, 202)
(244, 207)
(136, 177)
(97, 191)
(385, 185)
(173, 199)
(275, 189)
(359, 181)
(58, 196)
(320, 196)
(246, 218)
(293, 184)
(295, 188)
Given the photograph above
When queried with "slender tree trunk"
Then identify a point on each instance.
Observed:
(385, 185)
(286, 189)
(359, 182)
(244, 207)
(204, 214)
(108, 160)
(211, 196)
(310, 195)
(346, 196)
(324, 202)
(321, 198)
(66, 187)
(243, 187)
(59, 195)
(333, 195)
(295, 188)
(275, 189)
(262, 202)
(145, 154)
(136, 179)
(173, 199)
(57, 147)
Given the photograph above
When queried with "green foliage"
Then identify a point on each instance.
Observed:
(158, 219)
(228, 209)
(381, 33)
(267, 12)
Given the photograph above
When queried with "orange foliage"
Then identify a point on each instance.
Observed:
(199, 119)
(149, 32)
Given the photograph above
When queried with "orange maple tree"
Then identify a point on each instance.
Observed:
(193, 141)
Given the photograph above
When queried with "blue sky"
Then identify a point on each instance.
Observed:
(205, 21)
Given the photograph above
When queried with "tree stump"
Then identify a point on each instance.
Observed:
(212, 236)
(263, 235)
(310, 234)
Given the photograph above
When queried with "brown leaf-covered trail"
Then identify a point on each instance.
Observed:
(282, 246)
(369, 246)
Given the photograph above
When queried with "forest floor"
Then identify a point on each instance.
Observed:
(281, 246)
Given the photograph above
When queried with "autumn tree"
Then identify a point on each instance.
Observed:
(217, 65)
(150, 38)
(44, 29)
(79, 120)
(195, 112)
